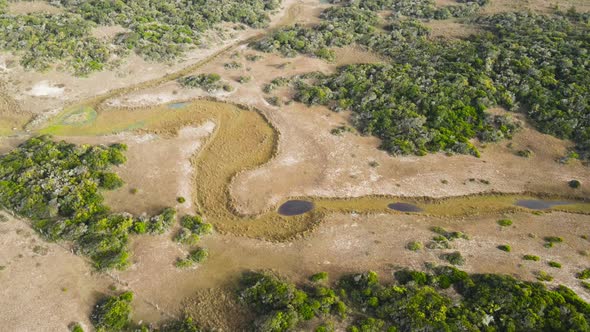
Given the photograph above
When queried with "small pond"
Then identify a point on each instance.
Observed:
(177, 106)
(295, 207)
(404, 207)
(540, 204)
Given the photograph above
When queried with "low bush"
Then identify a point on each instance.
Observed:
(505, 222)
(414, 246)
(454, 258)
(584, 274)
(531, 258)
(113, 313)
(505, 247)
(320, 276)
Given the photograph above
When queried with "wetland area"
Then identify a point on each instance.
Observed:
(263, 181)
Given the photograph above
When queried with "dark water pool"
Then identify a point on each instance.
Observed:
(295, 207)
(404, 207)
(540, 204)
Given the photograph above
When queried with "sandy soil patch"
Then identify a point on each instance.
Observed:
(45, 287)
(450, 29)
(46, 89)
(108, 32)
(29, 7)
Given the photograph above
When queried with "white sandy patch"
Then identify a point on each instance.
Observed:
(45, 89)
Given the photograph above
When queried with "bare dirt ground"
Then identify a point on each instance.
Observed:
(450, 29)
(29, 7)
(46, 287)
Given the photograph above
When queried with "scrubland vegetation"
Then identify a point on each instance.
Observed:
(156, 30)
(433, 94)
(416, 302)
(58, 186)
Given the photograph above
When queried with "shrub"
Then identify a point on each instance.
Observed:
(186, 324)
(196, 256)
(110, 181)
(526, 153)
(454, 258)
(531, 258)
(544, 276)
(185, 236)
(584, 274)
(320, 276)
(551, 240)
(75, 327)
(505, 247)
(505, 222)
(555, 264)
(574, 184)
(180, 199)
(113, 313)
(196, 225)
(414, 245)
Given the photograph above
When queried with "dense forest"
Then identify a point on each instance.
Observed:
(432, 94)
(156, 29)
(58, 186)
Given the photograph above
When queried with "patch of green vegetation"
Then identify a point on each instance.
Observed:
(342, 26)
(320, 276)
(76, 327)
(244, 79)
(427, 9)
(207, 82)
(505, 222)
(544, 276)
(57, 185)
(196, 256)
(449, 235)
(433, 94)
(550, 241)
(186, 324)
(584, 274)
(526, 153)
(574, 184)
(454, 258)
(113, 313)
(180, 199)
(414, 246)
(280, 305)
(340, 130)
(417, 302)
(505, 247)
(531, 258)
(232, 65)
(556, 265)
